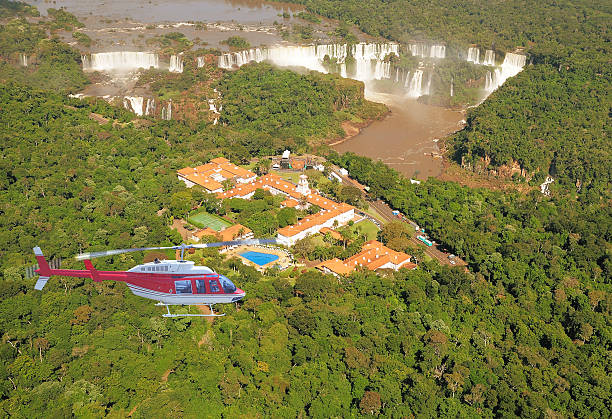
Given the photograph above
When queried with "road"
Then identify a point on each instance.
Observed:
(386, 215)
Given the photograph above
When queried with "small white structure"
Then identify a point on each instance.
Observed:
(335, 176)
(343, 171)
(302, 187)
(286, 154)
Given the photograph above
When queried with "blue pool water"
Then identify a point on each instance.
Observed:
(259, 258)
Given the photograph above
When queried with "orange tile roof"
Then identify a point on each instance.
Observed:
(290, 202)
(185, 171)
(220, 166)
(312, 220)
(236, 170)
(319, 201)
(241, 190)
(333, 233)
(225, 174)
(373, 255)
(205, 167)
(297, 164)
(206, 232)
(232, 232)
(377, 263)
(335, 265)
(205, 182)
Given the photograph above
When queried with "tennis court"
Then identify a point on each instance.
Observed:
(204, 219)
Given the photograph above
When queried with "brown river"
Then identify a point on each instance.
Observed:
(407, 138)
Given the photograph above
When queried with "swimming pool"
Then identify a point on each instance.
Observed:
(259, 258)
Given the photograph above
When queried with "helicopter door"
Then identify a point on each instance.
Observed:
(200, 286)
(183, 287)
(214, 286)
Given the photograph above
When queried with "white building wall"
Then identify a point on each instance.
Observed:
(246, 180)
(188, 183)
(341, 218)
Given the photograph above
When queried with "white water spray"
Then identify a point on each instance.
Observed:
(369, 58)
(134, 104)
(473, 55)
(512, 65)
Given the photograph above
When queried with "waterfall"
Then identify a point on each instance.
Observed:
(489, 58)
(544, 186)
(369, 58)
(418, 50)
(176, 64)
(473, 55)
(414, 90)
(134, 103)
(121, 60)
(428, 90)
(212, 107)
(150, 108)
(438, 51)
(512, 60)
(424, 51)
(512, 65)
(489, 85)
(166, 112)
(23, 60)
(451, 87)
(201, 62)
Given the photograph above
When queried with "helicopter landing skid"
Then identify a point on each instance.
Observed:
(213, 314)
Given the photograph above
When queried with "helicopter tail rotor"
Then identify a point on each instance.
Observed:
(43, 269)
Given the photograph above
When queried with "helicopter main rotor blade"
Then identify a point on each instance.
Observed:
(92, 255)
(247, 242)
(102, 253)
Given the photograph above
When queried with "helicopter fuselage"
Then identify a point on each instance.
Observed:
(170, 282)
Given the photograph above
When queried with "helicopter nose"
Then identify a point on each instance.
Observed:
(238, 295)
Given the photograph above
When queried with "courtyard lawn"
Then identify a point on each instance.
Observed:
(203, 219)
(367, 227)
(290, 176)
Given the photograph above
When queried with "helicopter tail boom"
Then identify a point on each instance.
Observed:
(45, 271)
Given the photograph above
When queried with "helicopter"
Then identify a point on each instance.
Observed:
(170, 282)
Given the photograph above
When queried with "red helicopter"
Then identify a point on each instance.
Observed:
(171, 282)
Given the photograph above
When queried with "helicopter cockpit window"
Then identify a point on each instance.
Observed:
(183, 287)
(200, 286)
(214, 287)
(228, 286)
